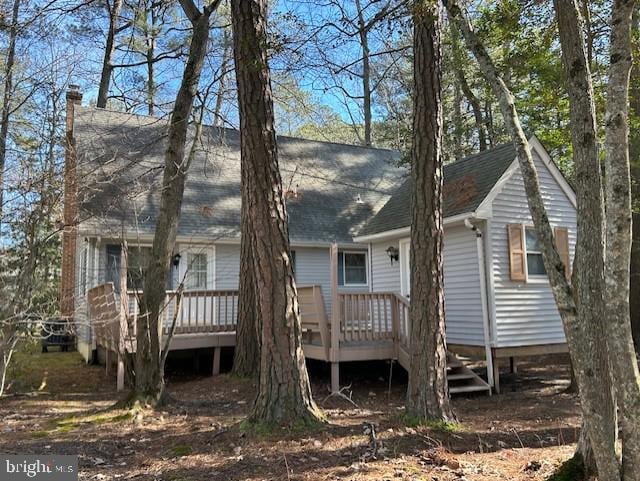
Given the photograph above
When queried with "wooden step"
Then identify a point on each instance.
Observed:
(461, 376)
(469, 388)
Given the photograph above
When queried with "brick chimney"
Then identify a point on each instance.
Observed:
(70, 209)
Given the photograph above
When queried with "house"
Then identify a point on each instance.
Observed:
(497, 295)
(349, 222)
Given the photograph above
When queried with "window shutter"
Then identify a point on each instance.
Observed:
(516, 252)
(562, 246)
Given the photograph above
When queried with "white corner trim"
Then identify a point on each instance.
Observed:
(403, 247)
(489, 260)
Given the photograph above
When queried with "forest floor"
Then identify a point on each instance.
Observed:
(59, 405)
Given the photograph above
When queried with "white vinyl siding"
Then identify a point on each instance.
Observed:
(462, 295)
(526, 313)
(385, 277)
(313, 268)
(227, 266)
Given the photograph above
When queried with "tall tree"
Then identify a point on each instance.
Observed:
(284, 392)
(427, 393)
(149, 375)
(618, 237)
(7, 92)
(113, 11)
(584, 343)
(248, 325)
(589, 258)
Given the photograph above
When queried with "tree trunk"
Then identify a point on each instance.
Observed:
(5, 114)
(618, 254)
(634, 285)
(149, 385)
(218, 121)
(248, 326)
(587, 362)
(474, 102)
(150, 58)
(589, 259)
(284, 391)
(363, 33)
(427, 392)
(109, 48)
(8, 341)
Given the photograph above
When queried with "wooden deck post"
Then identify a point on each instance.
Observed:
(513, 364)
(123, 329)
(216, 361)
(395, 325)
(335, 377)
(496, 374)
(120, 373)
(334, 353)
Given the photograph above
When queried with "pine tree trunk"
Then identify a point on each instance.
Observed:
(149, 382)
(618, 255)
(589, 366)
(248, 326)
(107, 67)
(427, 392)
(366, 74)
(284, 391)
(150, 32)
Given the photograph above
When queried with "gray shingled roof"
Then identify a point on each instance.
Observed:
(466, 183)
(120, 159)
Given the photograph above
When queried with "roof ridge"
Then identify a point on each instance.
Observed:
(281, 136)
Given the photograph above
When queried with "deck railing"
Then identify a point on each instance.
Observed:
(361, 317)
(193, 311)
(366, 316)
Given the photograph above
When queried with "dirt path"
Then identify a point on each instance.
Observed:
(60, 402)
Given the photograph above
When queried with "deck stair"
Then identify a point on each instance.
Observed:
(462, 379)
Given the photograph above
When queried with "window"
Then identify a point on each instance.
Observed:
(196, 277)
(113, 266)
(352, 268)
(535, 264)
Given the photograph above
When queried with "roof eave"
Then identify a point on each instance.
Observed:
(405, 231)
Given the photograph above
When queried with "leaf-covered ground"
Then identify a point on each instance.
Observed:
(58, 404)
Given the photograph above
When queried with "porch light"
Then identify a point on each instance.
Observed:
(393, 253)
(176, 260)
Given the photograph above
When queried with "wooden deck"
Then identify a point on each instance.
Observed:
(362, 327)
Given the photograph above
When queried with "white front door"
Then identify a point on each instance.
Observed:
(405, 267)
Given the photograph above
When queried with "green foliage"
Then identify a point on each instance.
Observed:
(436, 425)
(181, 450)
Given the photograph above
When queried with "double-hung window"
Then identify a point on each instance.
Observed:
(352, 268)
(535, 264)
(197, 271)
